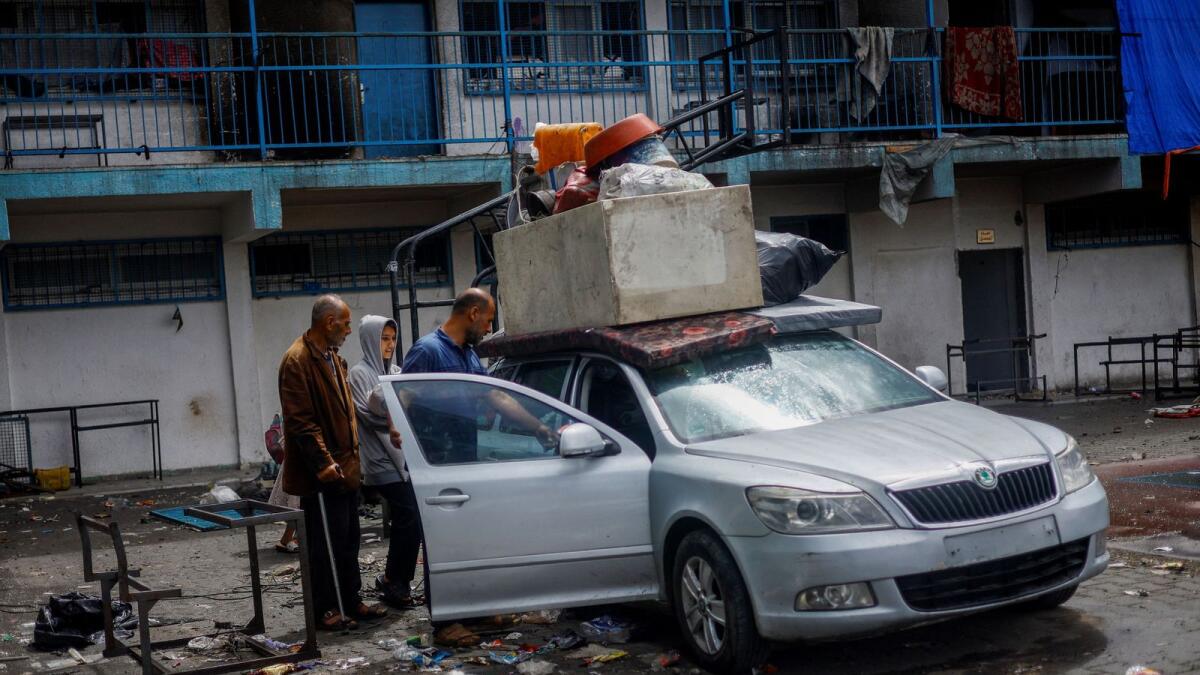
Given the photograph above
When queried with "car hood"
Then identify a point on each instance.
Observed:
(897, 448)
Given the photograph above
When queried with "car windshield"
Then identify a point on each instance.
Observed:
(789, 382)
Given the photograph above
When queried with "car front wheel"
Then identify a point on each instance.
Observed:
(713, 608)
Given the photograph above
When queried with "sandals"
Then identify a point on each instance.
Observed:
(290, 547)
(365, 611)
(332, 620)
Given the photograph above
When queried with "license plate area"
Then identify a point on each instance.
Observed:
(1001, 542)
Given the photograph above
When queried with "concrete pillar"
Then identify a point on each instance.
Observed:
(462, 257)
(1040, 290)
(6, 402)
(238, 306)
(1193, 265)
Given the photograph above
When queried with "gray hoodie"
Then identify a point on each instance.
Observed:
(381, 462)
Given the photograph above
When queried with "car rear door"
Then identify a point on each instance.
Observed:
(509, 524)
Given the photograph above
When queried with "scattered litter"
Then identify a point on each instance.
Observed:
(456, 635)
(221, 494)
(513, 636)
(1171, 567)
(1142, 670)
(284, 570)
(73, 619)
(346, 664)
(209, 644)
(1163, 549)
(372, 540)
(1135, 395)
(277, 669)
(7, 637)
(669, 659)
(535, 668)
(605, 629)
(1117, 565)
(567, 639)
(1136, 593)
(605, 658)
(507, 658)
(1137, 456)
(543, 617)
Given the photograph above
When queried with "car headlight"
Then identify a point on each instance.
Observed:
(1074, 467)
(794, 511)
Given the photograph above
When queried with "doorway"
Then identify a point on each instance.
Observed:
(993, 296)
(397, 104)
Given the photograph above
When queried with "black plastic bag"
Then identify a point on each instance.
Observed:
(790, 264)
(71, 619)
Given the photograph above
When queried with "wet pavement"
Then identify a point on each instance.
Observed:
(1144, 610)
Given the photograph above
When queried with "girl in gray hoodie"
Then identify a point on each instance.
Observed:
(383, 465)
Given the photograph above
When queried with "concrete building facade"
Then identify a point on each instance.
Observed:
(183, 266)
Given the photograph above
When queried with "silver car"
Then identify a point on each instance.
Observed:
(801, 488)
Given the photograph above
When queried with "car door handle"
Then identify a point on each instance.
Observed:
(447, 499)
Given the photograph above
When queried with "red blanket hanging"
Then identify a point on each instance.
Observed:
(982, 70)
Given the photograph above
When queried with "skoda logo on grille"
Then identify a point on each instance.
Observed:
(986, 477)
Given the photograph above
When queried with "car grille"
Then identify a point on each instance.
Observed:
(966, 500)
(995, 580)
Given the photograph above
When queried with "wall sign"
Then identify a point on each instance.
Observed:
(985, 236)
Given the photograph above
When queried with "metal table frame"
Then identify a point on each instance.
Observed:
(144, 597)
(76, 428)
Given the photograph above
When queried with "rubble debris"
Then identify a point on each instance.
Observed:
(1164, 549)
(221, 494)
(1171, 567)
(1142, 670)
(1136, 593)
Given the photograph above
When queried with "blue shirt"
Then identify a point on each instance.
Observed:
(437, 353)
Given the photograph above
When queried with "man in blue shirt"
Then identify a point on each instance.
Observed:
(447, 426)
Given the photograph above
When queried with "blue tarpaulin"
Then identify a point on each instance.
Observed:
(1160, 65)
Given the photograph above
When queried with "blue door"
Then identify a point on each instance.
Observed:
(397, 104)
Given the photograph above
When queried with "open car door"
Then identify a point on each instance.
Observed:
(517, 518)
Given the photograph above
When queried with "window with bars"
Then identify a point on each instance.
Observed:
(310, 263)
(701, 30)
(1136, 218)
(831, 229)
(95, 64)
(592, 32)
(79, 274)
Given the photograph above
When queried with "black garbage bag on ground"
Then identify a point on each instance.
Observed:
(790, 264)
(71, 619)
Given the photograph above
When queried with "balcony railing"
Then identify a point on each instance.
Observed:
(252, 96)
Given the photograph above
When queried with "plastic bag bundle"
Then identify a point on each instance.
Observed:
(637, 180)
(790, 264)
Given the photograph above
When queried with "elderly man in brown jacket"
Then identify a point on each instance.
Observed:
(321, 445)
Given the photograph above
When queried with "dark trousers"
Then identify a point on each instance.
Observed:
(405, 535)
(342, 511)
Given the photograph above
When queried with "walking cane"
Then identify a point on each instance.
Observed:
(337, 587)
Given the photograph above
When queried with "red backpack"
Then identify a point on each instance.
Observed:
(274, 439)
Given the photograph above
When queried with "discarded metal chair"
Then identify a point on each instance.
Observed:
(245, 513)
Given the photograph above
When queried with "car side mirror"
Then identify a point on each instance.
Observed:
(932, 376)
(581, 440)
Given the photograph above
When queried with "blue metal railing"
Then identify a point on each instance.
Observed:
(390, 94)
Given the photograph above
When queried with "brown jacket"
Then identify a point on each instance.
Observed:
(318, 420)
